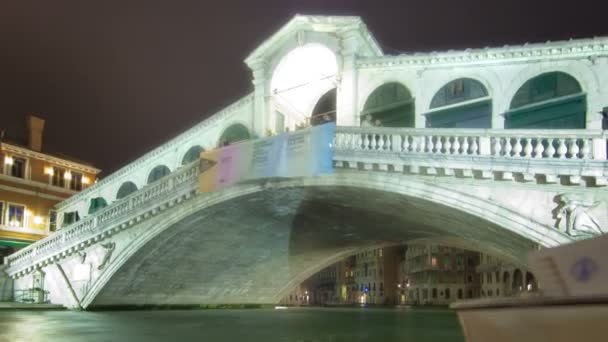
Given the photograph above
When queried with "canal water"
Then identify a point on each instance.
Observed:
(292, 325)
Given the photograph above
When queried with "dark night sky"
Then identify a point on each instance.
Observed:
(114, 79)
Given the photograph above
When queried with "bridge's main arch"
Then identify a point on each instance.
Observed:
(253, 242)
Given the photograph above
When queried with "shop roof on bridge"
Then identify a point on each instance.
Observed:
(324, 24)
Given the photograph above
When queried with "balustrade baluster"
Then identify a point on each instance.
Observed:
(365, 142)
(438, 145)
(528, 148)
(388, 143)
(430, 145)
(422, 140)
(539, 148)
(562, 149)
(573, 149)
(406, 144)
(456, 146)
(447, 145)
(379, 139)
(498, 146)
(517, 148)
(550, 150)
(474, 146)
(508, 147)
(465, 145)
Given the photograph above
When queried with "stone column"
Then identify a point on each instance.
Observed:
(261, 101)
(346, 102)
(418, 92)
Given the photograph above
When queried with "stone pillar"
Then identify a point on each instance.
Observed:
(261, 101)
(498, 118)
(418, 92)
(346, 102)
(597, 99)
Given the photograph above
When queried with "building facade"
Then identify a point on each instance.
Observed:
(376, 276)
(439, 275)
(31, 183)
(503, 279)
(320, 289)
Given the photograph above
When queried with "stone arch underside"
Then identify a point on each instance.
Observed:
(256, 245)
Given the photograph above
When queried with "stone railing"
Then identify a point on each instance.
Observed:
(120, 213)
(503, 154)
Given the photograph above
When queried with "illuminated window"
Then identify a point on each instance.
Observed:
(58, 178)
(18, 167)
(434, 261)
(76, 181)
(15, 216)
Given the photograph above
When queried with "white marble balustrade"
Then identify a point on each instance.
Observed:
(537, 144)
(120, 212)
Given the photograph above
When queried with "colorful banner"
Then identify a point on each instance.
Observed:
(298, 154)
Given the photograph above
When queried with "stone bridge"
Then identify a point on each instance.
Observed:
(168, 244)
(496, 182)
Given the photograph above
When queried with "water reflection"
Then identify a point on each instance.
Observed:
(303, 324)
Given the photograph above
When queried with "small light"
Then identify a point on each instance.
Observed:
(28, 213)
(49, 171)
(8, 160)
(38, 220)
(86, 180)
(67, 175)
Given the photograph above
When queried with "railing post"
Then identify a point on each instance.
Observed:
(599, 148)
(396, 143)
(485, 148)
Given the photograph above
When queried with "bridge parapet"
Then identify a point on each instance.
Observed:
(121, 214)
(544, 156)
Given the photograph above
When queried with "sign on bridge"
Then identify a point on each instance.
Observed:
(298, 154)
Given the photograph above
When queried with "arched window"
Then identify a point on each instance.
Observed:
(325, 109)
(193, 154)
(126, 189)
(462, 103)
(234, 133)
(531, 284)
(518, 281)
(157, 173)
(551, 100)
(390, 105)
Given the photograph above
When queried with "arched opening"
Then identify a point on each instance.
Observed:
(126, 189)
(518, 281)
(234, 133)
(193, 154)
(553, 100)
(390, 105)
(462, 103)
(531, 284)
(97, 204)
(325, 109)
(281, 226)
(157, 173)
(301, 78)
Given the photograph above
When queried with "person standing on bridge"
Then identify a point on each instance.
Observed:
(367, 121)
